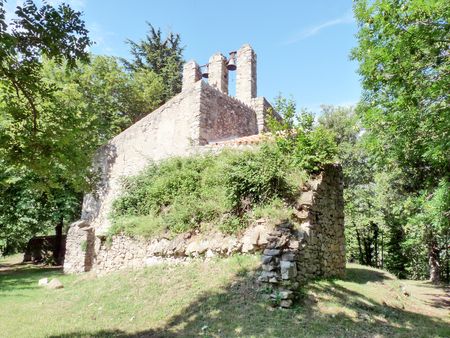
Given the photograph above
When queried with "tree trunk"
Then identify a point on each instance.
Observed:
(361, 257)
(57, 250)
(375, 239)
(433, 262)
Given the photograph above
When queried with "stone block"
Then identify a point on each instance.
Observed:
(286, 303)
(288, 256)
(271, 252)
(266, 259)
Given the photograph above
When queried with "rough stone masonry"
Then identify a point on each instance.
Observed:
(202, 118)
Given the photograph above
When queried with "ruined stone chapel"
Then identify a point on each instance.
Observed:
(203, 117)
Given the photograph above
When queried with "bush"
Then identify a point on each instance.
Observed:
(304, 144)
(257, 177)
(180, 194)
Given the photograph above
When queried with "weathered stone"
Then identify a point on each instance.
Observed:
(273, 280)
(266, 259)
(286, 303)
(288, 256)
(268, 267)
(294, 245)
(271, 252)
(55, 284)
(288, 270)
(43, 281)
(286, 294)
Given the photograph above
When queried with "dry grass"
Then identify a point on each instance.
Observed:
(215, 299)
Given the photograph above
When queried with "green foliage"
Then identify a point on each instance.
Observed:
(26, 209)
(218, 190)
(257, 177)
(405, 110)
(180, 193)
(303, 143)
(55, 111)
(428, 228)
(163, 56)
(233, 224)
(41, 141)
(276, 211)
(26, 100)
(403, 47)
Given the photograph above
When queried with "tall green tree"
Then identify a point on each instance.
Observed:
(100, 99)
(34, 132)
(38, 138)
(404, 65)
(161, 55)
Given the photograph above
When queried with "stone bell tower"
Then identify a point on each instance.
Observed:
(246, 74)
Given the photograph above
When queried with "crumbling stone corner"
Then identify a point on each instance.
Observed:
(80, 248)
(313, 245)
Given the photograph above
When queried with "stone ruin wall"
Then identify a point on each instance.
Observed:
(314, 246)
(203, 118)
(292, 252)
(170, 130)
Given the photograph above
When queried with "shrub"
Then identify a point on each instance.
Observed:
(304, 144)
(180, 194)
(256, 177)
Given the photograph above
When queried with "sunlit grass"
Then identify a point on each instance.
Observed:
(216, 298)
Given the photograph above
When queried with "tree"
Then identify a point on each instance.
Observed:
(100, 100)
(163, 56)
(26, 99)
(404, 63)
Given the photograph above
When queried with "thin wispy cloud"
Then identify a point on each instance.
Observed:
(101, 37)
(347, 18)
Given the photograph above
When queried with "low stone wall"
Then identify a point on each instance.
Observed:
(90, 253)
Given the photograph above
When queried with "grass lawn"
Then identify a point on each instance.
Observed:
(217, 298)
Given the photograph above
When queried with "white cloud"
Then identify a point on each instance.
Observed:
(101, 38)
(347, 18)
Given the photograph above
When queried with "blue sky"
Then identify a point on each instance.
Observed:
(303, 46)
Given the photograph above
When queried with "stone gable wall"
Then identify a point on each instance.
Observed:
(171, 130)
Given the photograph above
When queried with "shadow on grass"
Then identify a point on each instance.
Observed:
(24, 276)
(239, 311)
(362, 276)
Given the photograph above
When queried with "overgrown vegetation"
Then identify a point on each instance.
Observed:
(179, 194)
(405, 109)
(58, 104)
(230, 189)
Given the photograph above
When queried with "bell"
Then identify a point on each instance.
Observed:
(231, 65)
(205, 72)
